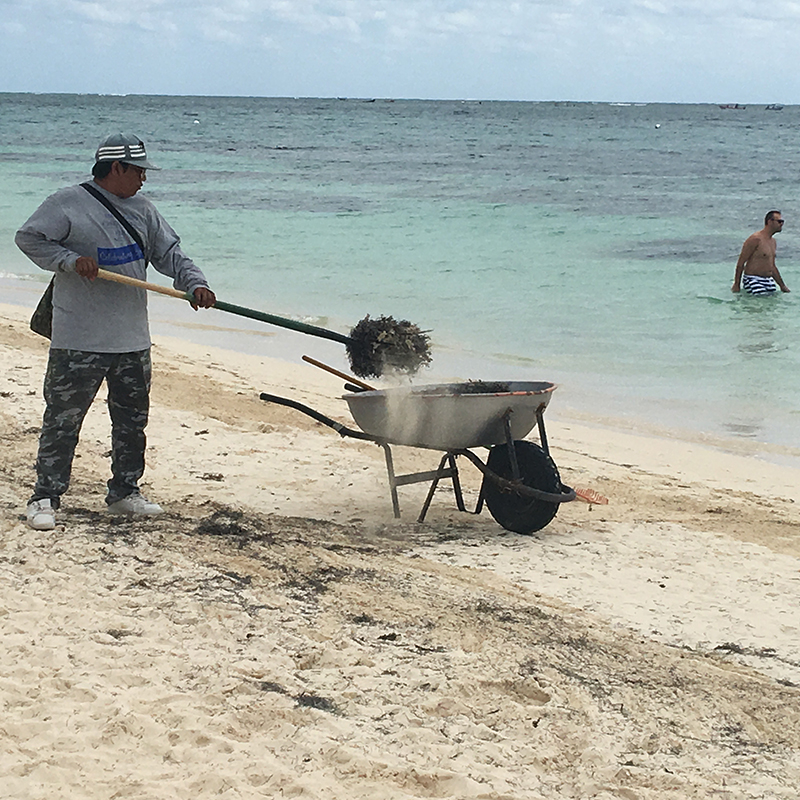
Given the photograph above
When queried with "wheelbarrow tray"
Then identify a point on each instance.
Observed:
(450, 416)
(525, 490)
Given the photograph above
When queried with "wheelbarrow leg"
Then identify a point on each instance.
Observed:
(456, 483)
(447, 469)
(392, 480)
(451, 471)
(540, 423)
(481, 497)
(512, 453)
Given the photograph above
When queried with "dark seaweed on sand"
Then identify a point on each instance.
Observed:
(385, 344)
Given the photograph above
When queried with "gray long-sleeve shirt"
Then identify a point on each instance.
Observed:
(101, 316)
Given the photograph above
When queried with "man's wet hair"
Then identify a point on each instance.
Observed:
(770, 215)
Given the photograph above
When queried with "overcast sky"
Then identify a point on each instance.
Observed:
(717, 51)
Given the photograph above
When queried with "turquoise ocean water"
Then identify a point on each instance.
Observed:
(588, 244)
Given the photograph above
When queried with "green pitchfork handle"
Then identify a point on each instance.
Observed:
(261, 316)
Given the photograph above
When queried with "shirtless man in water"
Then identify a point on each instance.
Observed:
(756, 269)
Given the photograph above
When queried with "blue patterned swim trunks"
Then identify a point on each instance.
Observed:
(755, 284)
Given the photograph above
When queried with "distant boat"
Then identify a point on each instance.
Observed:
(774, 107)
(732, 105)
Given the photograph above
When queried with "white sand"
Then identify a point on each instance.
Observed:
(279, 634)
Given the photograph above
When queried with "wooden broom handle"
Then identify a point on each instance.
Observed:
(153, 287)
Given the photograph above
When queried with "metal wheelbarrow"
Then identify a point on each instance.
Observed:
(521, 486)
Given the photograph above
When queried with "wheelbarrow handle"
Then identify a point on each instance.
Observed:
(342, 430)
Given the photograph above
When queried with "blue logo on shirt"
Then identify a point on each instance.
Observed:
(113, 256)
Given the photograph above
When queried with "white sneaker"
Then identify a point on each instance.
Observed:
(134, 505)
(41, 515)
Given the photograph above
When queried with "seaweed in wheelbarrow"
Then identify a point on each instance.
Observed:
(470, 387)
(384, 344)
(484, 387)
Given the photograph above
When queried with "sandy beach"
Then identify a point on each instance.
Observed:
(277, 633)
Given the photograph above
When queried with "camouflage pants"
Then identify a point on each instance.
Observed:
(71, 383)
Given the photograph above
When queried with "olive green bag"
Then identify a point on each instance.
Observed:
(42, 319)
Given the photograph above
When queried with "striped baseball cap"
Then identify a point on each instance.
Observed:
(123, 147)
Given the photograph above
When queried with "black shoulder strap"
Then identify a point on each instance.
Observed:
(132, 232)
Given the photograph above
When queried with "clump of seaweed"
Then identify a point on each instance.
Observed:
(483, 387)
(385, 344)
(315, 701)
(471, 387)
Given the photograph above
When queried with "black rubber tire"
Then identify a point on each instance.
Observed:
(513, 511)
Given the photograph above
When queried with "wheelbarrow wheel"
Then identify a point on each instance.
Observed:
(514, 511)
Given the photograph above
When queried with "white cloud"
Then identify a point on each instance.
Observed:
(540, 49)
(408, 23)
(147, 15)
(13, 29)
